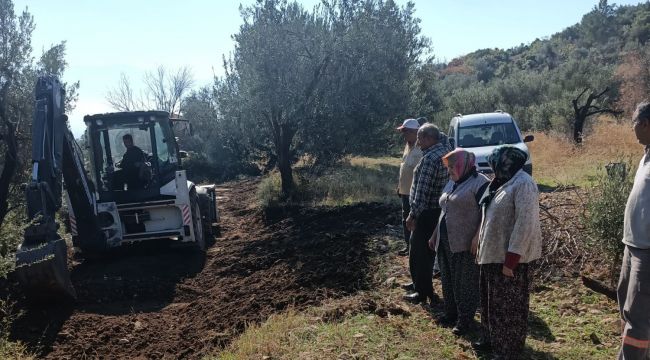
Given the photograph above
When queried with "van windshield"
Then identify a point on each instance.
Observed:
(487, 135)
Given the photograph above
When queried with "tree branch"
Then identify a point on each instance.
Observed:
(602, 93)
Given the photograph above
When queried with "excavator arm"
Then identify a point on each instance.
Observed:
(41, 260)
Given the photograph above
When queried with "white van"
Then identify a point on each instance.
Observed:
(481, 133)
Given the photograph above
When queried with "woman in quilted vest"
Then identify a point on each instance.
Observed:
(458, 226)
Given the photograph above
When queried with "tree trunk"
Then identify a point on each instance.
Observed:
(284, 159)
(582, 112)
(578, 127)
(9, 169)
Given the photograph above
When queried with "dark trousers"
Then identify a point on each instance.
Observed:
(504, 309)
(406, 209)
(420, 256)
(634, 303)
(129, 178)
(459, 278)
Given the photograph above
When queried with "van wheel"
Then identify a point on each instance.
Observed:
(197, 223)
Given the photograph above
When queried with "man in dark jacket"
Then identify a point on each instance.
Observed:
(130, 166)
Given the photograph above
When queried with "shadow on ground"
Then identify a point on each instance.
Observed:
(538, 329)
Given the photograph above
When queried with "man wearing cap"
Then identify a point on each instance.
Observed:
(410, 158)
(429, 178)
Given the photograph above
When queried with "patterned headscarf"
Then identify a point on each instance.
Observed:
(505, 161)
(462, 161)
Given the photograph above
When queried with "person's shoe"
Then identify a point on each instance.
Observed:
(482, 345)
(435, 299)
(408, 287)
(461, 328)
(403, 252)
(414, 298)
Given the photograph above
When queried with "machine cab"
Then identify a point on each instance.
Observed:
(132, 154)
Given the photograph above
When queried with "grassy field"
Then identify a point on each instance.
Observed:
(556, 161)
(358, 179)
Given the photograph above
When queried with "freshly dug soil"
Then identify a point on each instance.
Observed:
(160, 302)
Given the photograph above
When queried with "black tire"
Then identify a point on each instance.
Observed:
(197, 222)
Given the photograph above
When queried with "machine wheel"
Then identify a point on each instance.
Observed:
(197, 222)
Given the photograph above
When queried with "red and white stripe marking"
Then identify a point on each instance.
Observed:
(73, 225)
(187, 216)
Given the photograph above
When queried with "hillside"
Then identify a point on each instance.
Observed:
(536, 82)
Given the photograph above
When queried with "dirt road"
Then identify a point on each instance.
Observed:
(157, 302)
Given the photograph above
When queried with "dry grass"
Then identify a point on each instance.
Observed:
(356, 180)
(556, 161)
(14, 351)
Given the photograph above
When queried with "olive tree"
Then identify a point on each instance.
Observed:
(320, 83)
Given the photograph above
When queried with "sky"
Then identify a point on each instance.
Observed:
(107, 38)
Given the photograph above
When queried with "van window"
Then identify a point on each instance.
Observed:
(487, 135)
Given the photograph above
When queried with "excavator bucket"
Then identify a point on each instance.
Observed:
(42, 271)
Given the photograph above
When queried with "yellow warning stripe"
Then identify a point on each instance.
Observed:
(641, 344)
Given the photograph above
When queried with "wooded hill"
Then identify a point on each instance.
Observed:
(537, 82)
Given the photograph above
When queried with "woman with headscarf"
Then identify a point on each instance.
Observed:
(509, 240)
(458, 226)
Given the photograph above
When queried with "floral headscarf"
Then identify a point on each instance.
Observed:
(505, 161)
(462, 161)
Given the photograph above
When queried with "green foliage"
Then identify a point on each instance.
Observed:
(11, 233)
(218, 150)
(606, 209)
(536, 82)
(316, 82)
(8, 348)
(18, 73)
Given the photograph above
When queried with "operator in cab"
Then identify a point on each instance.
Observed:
(130, 167)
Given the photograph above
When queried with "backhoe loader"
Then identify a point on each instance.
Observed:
(110, 203)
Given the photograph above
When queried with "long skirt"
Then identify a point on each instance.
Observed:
(504, 309)
(459, 276)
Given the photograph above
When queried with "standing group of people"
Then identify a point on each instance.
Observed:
(484, 233)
